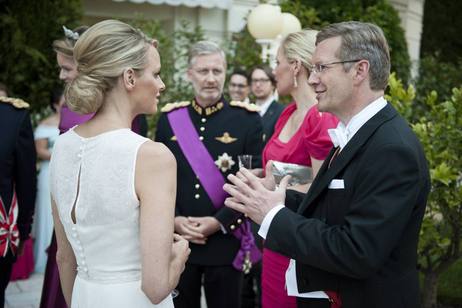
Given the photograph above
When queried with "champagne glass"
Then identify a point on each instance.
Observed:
(245, 160)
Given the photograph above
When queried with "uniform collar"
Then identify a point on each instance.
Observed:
(208, 110)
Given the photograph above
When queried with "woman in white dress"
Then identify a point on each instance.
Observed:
(45, 136)
(113, 191)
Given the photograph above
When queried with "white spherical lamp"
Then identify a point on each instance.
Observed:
(290, 24)
(265, 21)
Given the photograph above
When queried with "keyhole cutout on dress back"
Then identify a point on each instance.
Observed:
(74, 220)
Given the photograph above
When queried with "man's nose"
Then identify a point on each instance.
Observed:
(313, 79)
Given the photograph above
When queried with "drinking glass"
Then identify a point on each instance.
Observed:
(245, 161)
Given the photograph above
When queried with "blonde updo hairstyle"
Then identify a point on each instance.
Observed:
(102, 54)
(299, 46)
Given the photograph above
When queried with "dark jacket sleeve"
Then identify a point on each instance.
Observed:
(25, 177)
(229, 218)
(385, 202)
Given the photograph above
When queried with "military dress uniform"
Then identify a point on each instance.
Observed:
(17, 182)
(227, 130)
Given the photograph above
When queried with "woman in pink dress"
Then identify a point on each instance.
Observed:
(300, 137)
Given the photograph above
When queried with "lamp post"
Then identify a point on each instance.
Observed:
(268, 26)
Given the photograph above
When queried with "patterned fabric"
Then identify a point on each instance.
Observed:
(9, 233)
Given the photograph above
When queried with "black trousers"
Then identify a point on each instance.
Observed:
(222, 286)
(6, 267)
(251, 288)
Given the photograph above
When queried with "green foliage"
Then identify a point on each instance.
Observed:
(439, 128)
(242, 51)
(318, 13)
(439, 76)
(441, 30)
(173, 50)
(27, 59)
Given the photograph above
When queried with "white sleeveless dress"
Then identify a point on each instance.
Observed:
(105, 237)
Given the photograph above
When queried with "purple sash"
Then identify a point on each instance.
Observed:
(212, 180)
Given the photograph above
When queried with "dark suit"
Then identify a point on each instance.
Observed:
(212, 124)
(361, 241)
(17, 173)
(270, 118)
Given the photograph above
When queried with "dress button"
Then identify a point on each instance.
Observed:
(197, 186)
(74, 234)
(85, 269)
(79, 155)
(239, 221)
(203, 120)
(201, 138)
(202, 128)
(83, 262)
(232, 227)
(197, 196)
(73, 228)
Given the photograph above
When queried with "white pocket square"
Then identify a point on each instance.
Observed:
(337, 184)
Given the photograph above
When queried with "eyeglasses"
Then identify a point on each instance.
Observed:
(261, 80)
(319, 68)
(237, 85)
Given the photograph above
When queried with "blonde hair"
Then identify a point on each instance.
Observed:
(66, 44)
(299, 46)
(102, 54)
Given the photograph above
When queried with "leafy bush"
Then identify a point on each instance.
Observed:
(439, 127)
(27, 59)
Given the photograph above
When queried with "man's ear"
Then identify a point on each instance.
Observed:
(129, 78)
(188, 74)
(362, 70)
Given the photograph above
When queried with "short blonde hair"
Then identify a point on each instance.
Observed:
(102, 54)
(299, 46)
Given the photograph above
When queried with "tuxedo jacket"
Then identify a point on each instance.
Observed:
(270, 118)
(358, 235)
(17, 164)
(244, 133)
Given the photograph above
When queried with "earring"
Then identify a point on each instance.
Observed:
(295, 81)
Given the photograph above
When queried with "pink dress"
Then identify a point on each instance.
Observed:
(311, 140)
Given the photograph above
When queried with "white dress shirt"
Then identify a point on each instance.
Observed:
(345, 133)
(265, 105)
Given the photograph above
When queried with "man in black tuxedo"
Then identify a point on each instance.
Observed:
(17, 183)
(263, 83)
(353, 237)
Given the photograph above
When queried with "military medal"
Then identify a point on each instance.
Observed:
(224, 162)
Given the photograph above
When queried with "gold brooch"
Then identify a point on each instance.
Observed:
(226, 138)
(224, 162)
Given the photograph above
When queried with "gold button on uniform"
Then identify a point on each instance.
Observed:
(202, 128)
(239, 221)
(197, 196)
(232, 227)
(197, 186)
(201, 138)
(203, 120)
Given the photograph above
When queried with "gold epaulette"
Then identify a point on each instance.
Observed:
(247, 106)
(16, 102)
(171, 106)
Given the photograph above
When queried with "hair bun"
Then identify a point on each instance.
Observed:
(85, 93)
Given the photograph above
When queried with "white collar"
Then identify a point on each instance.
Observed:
(264, 107)
(343, 133)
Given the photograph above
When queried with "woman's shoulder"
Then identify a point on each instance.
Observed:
(155, 152)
